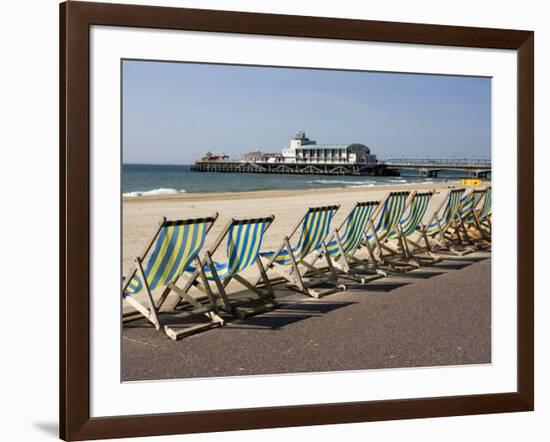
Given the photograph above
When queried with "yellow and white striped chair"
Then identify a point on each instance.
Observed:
(175, 249)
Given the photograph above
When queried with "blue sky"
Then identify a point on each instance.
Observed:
(174, 112)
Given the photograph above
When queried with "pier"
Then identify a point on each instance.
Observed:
(476, 168)
(305, 156)
(284, 168)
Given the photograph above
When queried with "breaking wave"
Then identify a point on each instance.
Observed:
(360, 186)
(346, 182)
(154, 192)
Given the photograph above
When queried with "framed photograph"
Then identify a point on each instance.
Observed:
(273, 221)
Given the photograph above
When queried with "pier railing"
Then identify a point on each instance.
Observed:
(478, 168)
(434, 162)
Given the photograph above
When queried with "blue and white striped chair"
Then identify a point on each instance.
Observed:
(392, 209)
(244, 239)
(468, 201)
(477, 223)
(315, 228)
(409, 225)
(175, 249)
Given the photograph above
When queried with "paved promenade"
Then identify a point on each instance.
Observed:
(438, 315)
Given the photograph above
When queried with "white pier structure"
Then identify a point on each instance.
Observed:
(306, 151)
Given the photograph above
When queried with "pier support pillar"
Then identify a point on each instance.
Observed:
(482, 174)
(428, 173)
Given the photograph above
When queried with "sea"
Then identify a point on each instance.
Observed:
(149, 179)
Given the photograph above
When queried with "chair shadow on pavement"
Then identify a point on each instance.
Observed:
(287, 314)
(265, 322)
(451, 265)
(313, 306)
(376, 286)
(292, 310)
(422, 274)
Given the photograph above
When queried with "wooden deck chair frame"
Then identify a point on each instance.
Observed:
(481, 229)
(152, 311)
(488, 220)
(455, 235)
(457, 238)
(464, 233)
(382, 249)
(422, 249)
(414, 251)
(347, 262)
(401, 259)
(299, 280)
(438, 242)
(239, 308)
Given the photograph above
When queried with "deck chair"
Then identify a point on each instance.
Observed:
(408, 227)
(244, 239)
(345, 242)
(174, 248)
(478, 195)
(456, 233)
(315, 227)
(465, 215)
(479, 223)
(393, 207)
(443, 219)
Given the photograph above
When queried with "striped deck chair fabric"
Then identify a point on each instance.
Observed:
(390, 215)
(479, 221)
(355, 227)
(446, 215)
(485, 209)
(465, 211)
(466, 206)
(168, 255)
(244, 240)
(315, 229)
(412, 219)
(478, 195)
(176, 247)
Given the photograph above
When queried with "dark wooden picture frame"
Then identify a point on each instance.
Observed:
(75, 21)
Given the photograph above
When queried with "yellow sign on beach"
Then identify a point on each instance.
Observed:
(470, 182)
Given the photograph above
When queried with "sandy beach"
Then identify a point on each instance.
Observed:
(142, 214)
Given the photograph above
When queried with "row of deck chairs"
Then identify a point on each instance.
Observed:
(398, 234)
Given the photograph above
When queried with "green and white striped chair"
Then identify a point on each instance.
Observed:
(175, 249)
(392, 209)
(481, 216)
(347, 239)
(409, 225)
(443, 219)
(244, 239)
(468, 202)
(315, 228)
(478, 232)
